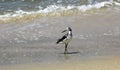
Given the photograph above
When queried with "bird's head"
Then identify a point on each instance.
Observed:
(67, 29)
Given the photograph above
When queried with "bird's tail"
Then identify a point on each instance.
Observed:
(58, 41)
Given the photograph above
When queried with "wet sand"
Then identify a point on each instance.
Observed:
(111, 63)
(32, 44)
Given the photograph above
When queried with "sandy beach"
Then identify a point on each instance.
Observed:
(31, 45)
(111, 63)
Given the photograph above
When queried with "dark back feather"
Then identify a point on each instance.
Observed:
(61, 39)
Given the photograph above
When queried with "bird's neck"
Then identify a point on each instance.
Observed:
(70, 33)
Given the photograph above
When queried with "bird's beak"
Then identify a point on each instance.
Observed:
(64, 31)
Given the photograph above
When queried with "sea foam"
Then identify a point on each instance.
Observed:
(56, 9)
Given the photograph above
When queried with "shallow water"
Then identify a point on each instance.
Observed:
(94, 35)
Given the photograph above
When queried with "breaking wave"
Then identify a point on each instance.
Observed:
(56, 10)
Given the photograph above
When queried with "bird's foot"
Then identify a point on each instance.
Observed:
(65, 52)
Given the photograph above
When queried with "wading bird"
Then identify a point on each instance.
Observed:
(66, 38)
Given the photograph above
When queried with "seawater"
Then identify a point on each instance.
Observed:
(16, 9)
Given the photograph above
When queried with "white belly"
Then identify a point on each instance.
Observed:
(67, 40)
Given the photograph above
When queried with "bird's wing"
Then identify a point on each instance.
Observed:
(61, 39)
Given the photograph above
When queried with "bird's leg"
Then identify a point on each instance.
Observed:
(65, 52)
